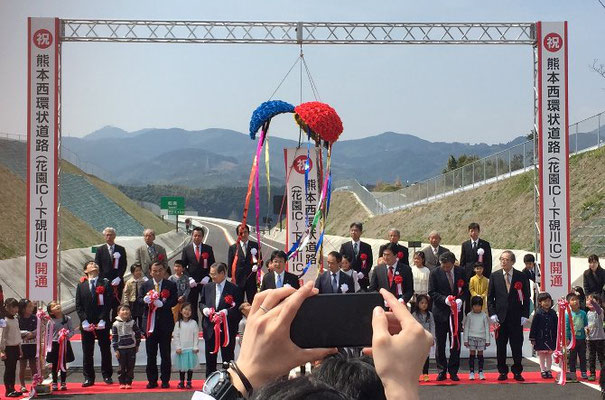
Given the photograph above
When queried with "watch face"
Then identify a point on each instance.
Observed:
(212, 382)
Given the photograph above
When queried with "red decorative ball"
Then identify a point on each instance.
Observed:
(321, 119)
(518, 285)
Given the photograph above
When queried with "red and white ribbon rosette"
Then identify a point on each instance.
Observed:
(230, 301)
(100, 291)
(116, 259)
(364, 259)
(62, 356)
(399, 256)
(559, 355)
(219, 319)
(460, 285)
(253, 253)
(151, 298)
(519, 288)
(454, 317)
(205, 256)
(399, 282)
(480, 253)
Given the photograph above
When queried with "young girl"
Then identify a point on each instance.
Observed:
(186, 338)
(595, 336)
(478, 284)
(425, 318)
(476, 336)
(57, 322)
(10, 346)
(581, 297)
(580, 322)
(543, 333)
(421, 274)
(345, 266)
(131, 290)
(28, 324)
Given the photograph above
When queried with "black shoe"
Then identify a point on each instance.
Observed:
(165, 385)
(181, 385)
(519, 378)
(544, 375)
(502, 377)
(152, 385)
(454, 377)
(108, 381)
(188, 385)
(549, 374)
(441, 376)
(88, 383)
(14, 394)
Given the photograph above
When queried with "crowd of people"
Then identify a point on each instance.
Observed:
(463, 301)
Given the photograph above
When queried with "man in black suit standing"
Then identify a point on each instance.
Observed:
(508, 307)
(158, 330)
(475, 250)
(394, 236)
(197, 258)
(278, 276)
(93, 302)
(111, 259)
(334, 280)
(360, 253)
(220, 297)
(388, 274)
(446, 286)
(433, 251)
(248, 261)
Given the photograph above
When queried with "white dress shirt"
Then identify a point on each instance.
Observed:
(218, 293)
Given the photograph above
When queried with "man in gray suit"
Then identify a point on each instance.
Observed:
(150, 253)
(333, 280)
(433, 251)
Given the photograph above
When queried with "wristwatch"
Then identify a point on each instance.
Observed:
(219, 386)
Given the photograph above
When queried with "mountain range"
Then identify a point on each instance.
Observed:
(220, 157)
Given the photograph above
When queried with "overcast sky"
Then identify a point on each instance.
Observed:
(439, 93)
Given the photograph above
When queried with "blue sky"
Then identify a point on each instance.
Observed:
(440, 93)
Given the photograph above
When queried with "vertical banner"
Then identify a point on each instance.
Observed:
(553, 153)
(42, 158)
(301, 207)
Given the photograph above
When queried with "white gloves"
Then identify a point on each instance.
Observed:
(158, 303)
(360, 275)
(145, 279)
(101, 325)
(254, 268)
(459, 304)
(205, 280)
(2, 323)
(223, 312)
(116, 281)
(523, 321)
(447, 302)
(494, 319)
(192, 283)
(206, 312)
(86, 325)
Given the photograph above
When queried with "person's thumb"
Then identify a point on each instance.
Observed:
(380, 326)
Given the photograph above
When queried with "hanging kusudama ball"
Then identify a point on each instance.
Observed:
(320, 120)
(265, 112)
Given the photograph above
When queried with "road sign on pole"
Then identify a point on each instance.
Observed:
(173, 204)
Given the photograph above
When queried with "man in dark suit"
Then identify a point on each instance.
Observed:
(245, 273)
(93, 302)
(159, 330)
(386, 275)
(197, 258)
(433, 251)
(214, 300)
(509, 311)
(470, 253)
(111, 259)
(360, 254)
(278, 276)
(394, 236)
(444, 282)
(334, 280)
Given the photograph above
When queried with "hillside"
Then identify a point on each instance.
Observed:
(504, 210)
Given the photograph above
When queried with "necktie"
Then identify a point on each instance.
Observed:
(151, 250)
(435, 252)
(390, 276)
(279, 281)
(450, 277)
(508, 282)
(92, 285)
(356, 249)
(244, 248)
(217, 299)
(334, 284)
(474, 245)
(197, 253)
(157, 287)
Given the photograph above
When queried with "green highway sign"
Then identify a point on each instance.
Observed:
(175, 205)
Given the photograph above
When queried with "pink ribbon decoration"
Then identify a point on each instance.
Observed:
(62, 356)
(559, 356)
(220, 321)
(454, 322)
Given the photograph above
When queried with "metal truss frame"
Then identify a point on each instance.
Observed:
(140, 31)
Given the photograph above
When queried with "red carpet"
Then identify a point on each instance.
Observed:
(137, 387)
(491, 378)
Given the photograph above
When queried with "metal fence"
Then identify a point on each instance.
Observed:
(584, 135)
